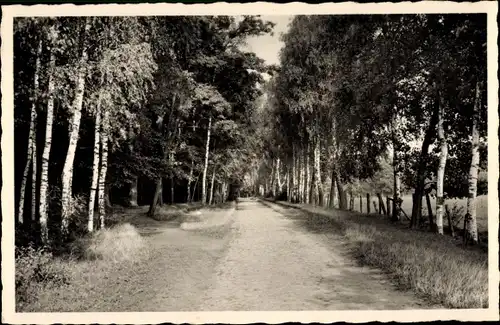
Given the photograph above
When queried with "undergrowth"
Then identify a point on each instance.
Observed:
(90, 259)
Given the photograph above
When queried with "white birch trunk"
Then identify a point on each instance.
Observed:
(20, 213)
(34, 142)
(67, 174)
(104, 169)
(44, 177)
(212, 188)
(471, 222)
(317, 170)
(441, 168)
(278, 176)
(306, 175)
(95, 169)
(190, 181)
(205, 168)
(31, 144)
(301, 172)
(33, 171)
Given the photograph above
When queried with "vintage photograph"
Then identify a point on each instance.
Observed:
(195, 163)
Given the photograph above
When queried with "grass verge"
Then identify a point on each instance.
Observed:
(432, 266)
(50, 283)
(107, 270)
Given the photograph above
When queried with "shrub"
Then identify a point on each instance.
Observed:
(118, 244)
(35, 270)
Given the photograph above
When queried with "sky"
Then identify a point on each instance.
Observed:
(267, 47)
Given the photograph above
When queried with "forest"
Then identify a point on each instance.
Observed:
(381, 105)
(115, 113)
(158, 110)
(114, 110)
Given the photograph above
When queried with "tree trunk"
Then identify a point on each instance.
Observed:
(341, 192)
(133, 192)
(307, 182)
(397, 190)
(160, 195)
(104, 169)
(331, 200)
(224, 192)
(95, 168)
(278, 176)
(34, 171)
(317, 166)
(288, 187)
(172, 178)
(34, 150)
(374, 206)
(361, 204)
(471, 223)
(440, 172)
(450, 223)
(195, 186)
(312, 175)
(351, 201)
(67, 174)
(293, 192)
(205, 168)
(300, 174)
(429, 212)
(212, 188)
(271, 185)
(20, 214)
(388, 205)
(396, 170)
(190, 181)
(152, 207)
(422, 165)
(172, 189)
(31, 152)
(368, 203)
(44, 174)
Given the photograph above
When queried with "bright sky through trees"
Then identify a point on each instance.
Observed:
(268, 46)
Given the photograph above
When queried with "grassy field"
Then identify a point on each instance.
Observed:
(482, 208)
(435, 267)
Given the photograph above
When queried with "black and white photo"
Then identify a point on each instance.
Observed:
(183, 160)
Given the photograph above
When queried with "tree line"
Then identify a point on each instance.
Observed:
(361, 96)
(110, 109)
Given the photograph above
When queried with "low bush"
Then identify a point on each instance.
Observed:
(36, 270)
(117, 244)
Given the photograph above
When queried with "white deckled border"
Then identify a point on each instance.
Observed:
(295, 8)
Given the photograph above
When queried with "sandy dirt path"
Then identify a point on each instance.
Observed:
(257, 257)
(272, 263)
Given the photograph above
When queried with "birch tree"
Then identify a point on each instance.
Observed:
(44, 174)
(76, 108)
(31, 154)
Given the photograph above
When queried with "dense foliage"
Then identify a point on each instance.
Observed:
(146, 110)
(380, 104)
(107, 107)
